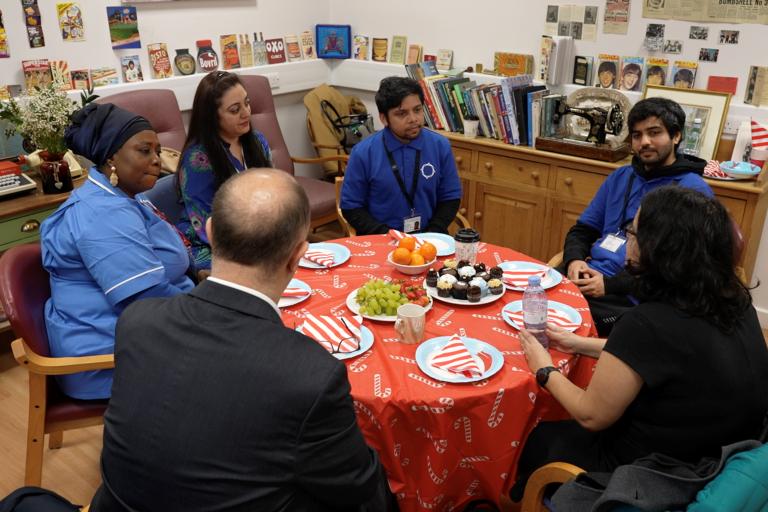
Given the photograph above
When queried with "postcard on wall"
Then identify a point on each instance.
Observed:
(34, 23)
(360, 47)
(159, 60)
(104, 76)
(415, 51)
(399, 45)
(684, 74)
(589, 27)
(307, 40)
(246, 51)
(259, 49)
(292, 48)
(729, 37)
(444, 59)
(708, 54)
(3, 39)
(654, 37)
(673, 46)
(60, 75)
(698, 32)
(616, 17)
(230, 55)
(656, 71)
(722, 84)
(379, 49)
(70, 21)
(275, 50)
(631, 74)
(37, 73)
(553, 14)
(123, 27)
(81, 79)
(131, 66)
(577, 21)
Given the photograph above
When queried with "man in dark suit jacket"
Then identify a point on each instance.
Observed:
(216, 405)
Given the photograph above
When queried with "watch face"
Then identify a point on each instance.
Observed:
(542, 375)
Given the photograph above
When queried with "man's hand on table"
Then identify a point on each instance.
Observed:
(590, 283)
(535, 354)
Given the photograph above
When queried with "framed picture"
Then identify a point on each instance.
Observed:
(709, 107)
(333, 41)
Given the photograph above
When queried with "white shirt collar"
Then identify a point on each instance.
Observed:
(245, 289)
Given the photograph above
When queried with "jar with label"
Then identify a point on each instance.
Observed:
(467, 240)
(207, 58)
(185, 63)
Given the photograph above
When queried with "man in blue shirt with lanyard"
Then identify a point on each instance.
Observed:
(595, 247)
(403, 177)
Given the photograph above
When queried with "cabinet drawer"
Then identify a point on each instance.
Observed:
(24, 228)
(575, 184)
(512, 170)
(735, 207)
(463, 158)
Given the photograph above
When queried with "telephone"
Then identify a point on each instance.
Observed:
(33, 160)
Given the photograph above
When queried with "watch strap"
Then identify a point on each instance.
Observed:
(542, 375)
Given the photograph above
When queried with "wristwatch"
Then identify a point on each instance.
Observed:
(542, 375)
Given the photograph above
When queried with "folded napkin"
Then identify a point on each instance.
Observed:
(291, 293)
(712, 170)
(399, 235)
(335, 334)
(320, 256)
(454, 357)
(519, 278)
(554, 317)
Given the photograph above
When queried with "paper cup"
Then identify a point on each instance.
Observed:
(470, 128)
(410, 323)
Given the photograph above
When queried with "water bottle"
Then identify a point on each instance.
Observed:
(535, 310)
(691, 143)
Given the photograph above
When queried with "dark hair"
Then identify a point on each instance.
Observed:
(687, 260)
(658, 71)
(669, 113)
(204, 127)
(393, 90)
(632, 69)
(259, 233)
(607, 65)
(684, 74)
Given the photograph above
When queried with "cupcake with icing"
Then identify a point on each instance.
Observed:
(480, 283)
(467, 272)
(496, 286)
(474, 294)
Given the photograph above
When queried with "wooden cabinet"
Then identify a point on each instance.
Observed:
(527, 199)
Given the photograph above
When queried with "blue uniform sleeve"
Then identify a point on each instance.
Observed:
(197, 188)
(265, 147)
(450, 184)
(354, 192)
(119, 255)
(696, 182)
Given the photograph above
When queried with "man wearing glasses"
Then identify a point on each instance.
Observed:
(595, 247)
(216, 405)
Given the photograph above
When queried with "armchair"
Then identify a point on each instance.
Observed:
(322, 194)
(24, 289)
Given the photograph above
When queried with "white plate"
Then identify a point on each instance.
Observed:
(432, 291)
(551, 279)
(366, 342)
(428, 350)
(286, 302)
(354, 307)
(340, 255)
(445, 244)
(517, 306)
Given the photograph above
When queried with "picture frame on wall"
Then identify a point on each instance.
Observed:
(333, 41)
(710, 107)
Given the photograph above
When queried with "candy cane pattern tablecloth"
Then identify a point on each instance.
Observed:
(441, 444)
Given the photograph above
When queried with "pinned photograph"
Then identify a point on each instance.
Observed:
(729, 37)
(131, 66)
(123, 27)
(576, 27)
(552, 13)
(590, 15)
(71, 21)
(673, 46)
(699, 32)
(708, 54)
(654, 37)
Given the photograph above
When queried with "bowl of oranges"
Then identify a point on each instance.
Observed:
(412, 257)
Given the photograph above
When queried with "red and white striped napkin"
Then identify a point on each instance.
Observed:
(712, 170)
(399, 235)
(454, 357)
(320, 256)
(759, 136)
(554, 317)
(519, 278)
(340, 334)
(292, 293)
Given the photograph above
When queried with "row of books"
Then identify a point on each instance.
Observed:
(509, 110)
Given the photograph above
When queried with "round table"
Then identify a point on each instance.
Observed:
(441, 444)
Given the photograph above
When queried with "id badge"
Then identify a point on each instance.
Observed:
(412, 223)
(613, 243)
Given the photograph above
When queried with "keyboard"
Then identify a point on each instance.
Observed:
(14, 183)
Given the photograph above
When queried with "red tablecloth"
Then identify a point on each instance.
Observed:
(442, 444)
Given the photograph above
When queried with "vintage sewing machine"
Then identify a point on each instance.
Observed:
(601, 121)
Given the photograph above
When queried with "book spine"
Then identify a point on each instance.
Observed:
(506, 129)
(430, 106)
(475, 95)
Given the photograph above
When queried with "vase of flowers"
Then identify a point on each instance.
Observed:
(41, 118)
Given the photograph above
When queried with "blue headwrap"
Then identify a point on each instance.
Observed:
(98, 131)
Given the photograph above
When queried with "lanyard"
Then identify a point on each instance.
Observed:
(396, 171)
(626, 201)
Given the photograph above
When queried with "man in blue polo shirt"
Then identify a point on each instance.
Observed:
(403, 177)
(595, 247)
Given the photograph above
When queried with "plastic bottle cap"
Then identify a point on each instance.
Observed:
(467, 236)
(204, 42)
(534, 281)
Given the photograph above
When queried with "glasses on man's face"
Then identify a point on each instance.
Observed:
(352, 339)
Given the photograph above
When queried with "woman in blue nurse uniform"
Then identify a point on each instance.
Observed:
(103, 247)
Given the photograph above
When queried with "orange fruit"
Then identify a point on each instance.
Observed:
(429, 251)
(408, 242)
(417, 259)
(401, 256)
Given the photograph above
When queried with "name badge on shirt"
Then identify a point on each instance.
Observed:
(613, 242)
(412, 223)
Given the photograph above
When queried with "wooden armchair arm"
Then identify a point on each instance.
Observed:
(554, 472)
(320, 159)
(556, 260)
(42, 365)
(338, 147)
(462, 221)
